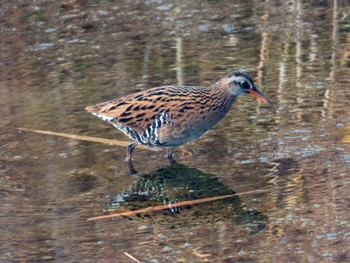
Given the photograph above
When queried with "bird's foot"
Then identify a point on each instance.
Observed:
(131, 147)
(171, 160)
(131, 167)
(169, 155)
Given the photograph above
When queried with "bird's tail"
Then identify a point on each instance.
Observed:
(92, 108)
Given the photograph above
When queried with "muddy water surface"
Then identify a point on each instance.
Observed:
(56, 58)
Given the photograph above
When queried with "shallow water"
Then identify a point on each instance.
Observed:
(56, 58)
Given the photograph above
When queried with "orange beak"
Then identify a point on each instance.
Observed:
(257, 93)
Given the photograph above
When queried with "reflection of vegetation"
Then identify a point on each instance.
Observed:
(78, 65)
(58, 35)
(40, 16)
(347, 134)
(180, 183)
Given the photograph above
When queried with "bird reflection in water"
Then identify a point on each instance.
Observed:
(179, 183)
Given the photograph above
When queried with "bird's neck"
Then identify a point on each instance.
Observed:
(221, 97)
(222, 90)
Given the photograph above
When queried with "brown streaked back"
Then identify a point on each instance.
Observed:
(139, 110)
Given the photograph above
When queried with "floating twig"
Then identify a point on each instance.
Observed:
(86, 138)
(174, 205)
(133, 258)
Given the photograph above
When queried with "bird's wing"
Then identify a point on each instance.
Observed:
(139, 110)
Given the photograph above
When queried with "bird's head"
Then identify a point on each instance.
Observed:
(239, 82)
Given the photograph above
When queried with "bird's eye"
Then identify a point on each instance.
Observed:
(245, 85)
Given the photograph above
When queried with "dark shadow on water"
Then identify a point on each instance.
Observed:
(180, 183)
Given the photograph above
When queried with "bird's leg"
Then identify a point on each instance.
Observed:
(131, 147)
(169, 155)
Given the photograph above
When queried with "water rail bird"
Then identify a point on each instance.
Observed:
(170, 116)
